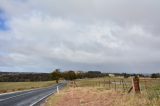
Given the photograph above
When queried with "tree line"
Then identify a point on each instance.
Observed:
(72, 75)
(57, 74)
(25, 77)
(155, 75)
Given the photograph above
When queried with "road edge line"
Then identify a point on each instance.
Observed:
(45, 96)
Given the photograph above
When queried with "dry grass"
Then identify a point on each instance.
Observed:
(136, 100)
(83, 97)
(54, 99)
(90, 93)
(16, 86)
(89, 96)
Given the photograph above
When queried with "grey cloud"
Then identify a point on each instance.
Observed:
(117, 36)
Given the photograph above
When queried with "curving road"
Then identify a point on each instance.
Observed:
(29, 98)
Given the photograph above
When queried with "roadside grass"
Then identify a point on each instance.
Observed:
(98, 92)
(55, 98)
(89, 96)
(17, 86)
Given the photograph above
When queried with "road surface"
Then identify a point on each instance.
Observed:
(29, 98)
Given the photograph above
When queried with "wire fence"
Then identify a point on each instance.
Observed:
(147, 85)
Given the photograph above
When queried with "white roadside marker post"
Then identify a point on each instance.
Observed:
(57, 90)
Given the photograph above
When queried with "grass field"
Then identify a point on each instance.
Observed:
(98, 92)
(16, 86)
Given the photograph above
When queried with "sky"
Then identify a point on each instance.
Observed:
(98, 35)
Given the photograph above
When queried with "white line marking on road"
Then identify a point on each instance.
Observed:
(60, 86)
(45, 96)
(20, 91)
(14, 96)
(23, 90)
(42, 98)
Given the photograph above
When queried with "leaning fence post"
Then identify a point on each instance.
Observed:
(135, 82)
(135, 85)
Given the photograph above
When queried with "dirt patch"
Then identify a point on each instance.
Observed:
(94, 96)
(88, 97)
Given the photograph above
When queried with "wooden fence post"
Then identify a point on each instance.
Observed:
(123, 85)
(115, 85)
(145, 84)
(109, 84)
(135, 84)
(120, 81)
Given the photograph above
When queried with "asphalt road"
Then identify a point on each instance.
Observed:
(29, 98)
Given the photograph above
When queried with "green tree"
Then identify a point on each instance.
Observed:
(56, 75)
(155, 75)
(70, 75)
(126, 75)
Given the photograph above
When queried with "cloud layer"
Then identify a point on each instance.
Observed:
(110, 36)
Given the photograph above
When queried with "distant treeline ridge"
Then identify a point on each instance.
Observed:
(57, 74)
